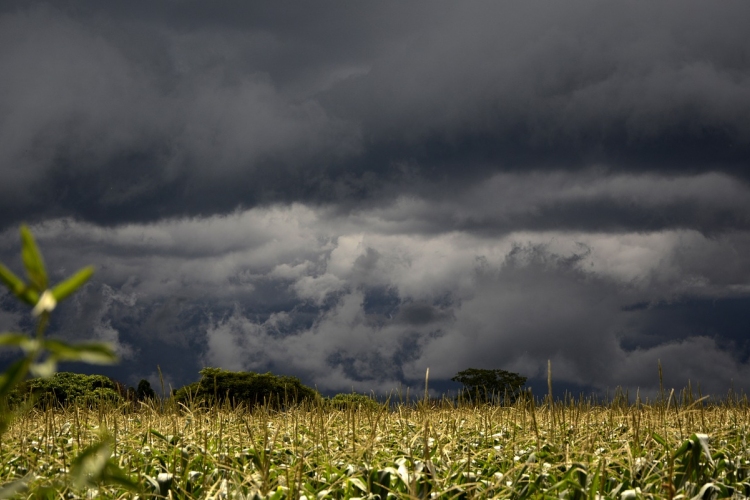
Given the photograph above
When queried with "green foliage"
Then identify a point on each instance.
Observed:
(249, 388)
(344, 401)
(95, 466)
(482, 386)
(41, 355)
(40, 359)
(66, 388)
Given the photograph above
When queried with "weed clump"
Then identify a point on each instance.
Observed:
(344, 401)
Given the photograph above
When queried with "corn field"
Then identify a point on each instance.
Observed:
(678, 447)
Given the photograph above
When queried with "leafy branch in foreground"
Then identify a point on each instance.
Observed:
(41, 355)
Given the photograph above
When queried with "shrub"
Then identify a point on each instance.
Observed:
(64, 388)
(344, 401)
(482, 386)
(249, 388)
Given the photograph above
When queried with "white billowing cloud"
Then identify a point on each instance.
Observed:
(514, 301)
(89, 320)
(348, 249)
(220, 255)
(342, 350)
(317, 288)
(291, 272)
(363, 300)
(532, 308)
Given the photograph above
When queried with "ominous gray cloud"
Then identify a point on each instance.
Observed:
(352, 193)
(121, 114)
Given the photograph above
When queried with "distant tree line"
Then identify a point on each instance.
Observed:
(216, 386)
(65, 388)
(224, 387)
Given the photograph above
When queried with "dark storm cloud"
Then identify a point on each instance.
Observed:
(312, 295)
(352, 193)
(115, 114)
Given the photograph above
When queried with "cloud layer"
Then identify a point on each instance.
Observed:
(355, 194)
(346, 304)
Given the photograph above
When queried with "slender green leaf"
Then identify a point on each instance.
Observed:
(701, 440)
(709, 490)
(9, 279)
(20, 340)
(684, 447)
(159, 435)
(358, 483)
(88, 467)
(10, 490)
(45, 369)
(32, 260)
(113, 474)
(659, 439)
(13, 376)
(89, 352)
(18, 287)
(46, 492)
(70, 285)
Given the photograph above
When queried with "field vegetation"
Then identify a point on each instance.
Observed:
(679, 447)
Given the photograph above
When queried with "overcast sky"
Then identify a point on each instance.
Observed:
(353, 192)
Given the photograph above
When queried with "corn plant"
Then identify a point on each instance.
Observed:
(41, 356)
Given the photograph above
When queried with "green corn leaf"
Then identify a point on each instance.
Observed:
(12, 489)
(659, 439)
(32, 260)
(70, 285)
(45, 369)
(20, 340)
(29, 295)
(115, 475)
(89, 466)
(596, 482)
(17, 286)
(709, 490)
(45, 492)
(94, 466)
(89, 352)
(13, 376)
(171, 440)
(358, 483)
(701, 440)
(9, 279)
(684, 447)
(380, 481)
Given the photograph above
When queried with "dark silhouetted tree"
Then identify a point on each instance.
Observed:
(484, 386)
(144, 390)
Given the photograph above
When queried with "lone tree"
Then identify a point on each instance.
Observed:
(484, 386)
(144, 390)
